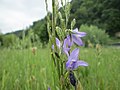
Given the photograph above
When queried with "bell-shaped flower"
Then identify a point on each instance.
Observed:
(57, 43)
(76, 37)
(67, 45)
(77, 33)
(73, 61)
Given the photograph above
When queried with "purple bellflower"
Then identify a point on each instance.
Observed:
(57, 43)
(76, 37)
(48, 88)
(73, 61)
(67, 45)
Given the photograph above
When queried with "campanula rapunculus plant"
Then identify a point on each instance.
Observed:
(62, 39)
(73, 61)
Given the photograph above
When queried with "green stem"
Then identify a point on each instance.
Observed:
(53, 17)
(58, 68)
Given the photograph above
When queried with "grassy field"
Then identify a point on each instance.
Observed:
(22, 70)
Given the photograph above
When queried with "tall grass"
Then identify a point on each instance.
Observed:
(22, 70)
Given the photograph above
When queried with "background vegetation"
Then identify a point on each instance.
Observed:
(94, 35)
(25, 62)
(23, 70)
(104, 14)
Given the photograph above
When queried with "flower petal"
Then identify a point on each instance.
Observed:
(75, 30)
(74, 54)
(53, 47)
(65, 43)
(68, 42)
(58, 43)
(80, 63)
(77, 40)
(78, 34)
(48, 88)
(66, 51)
(68, 65)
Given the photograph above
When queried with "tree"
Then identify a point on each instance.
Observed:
(102, 13)
(9, 40)
(40, 28)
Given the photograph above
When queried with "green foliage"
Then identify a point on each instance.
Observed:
(9, 40)
(94, 35)
(40, 29)
(22, 70)
(102, 13)
(20, 39)
(113, 21)
(28, 39)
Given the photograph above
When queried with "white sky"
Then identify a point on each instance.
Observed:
(19, 14)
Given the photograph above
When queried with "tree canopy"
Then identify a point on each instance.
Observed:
(102, 13)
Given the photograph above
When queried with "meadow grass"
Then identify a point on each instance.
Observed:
(22, 70)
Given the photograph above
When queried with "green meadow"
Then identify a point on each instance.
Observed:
(27, 63)
(22, 70)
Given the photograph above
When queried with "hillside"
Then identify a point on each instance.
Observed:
(104, 14)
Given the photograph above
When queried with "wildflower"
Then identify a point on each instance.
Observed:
(76, 37)
(68, 42)
(57, 43)
(73, 61)
(67, 45)
(77, 33)
(48, 88)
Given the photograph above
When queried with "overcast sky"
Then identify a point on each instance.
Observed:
(19, 14)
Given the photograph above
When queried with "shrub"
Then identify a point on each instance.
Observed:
(94, 35)
(9, 40)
